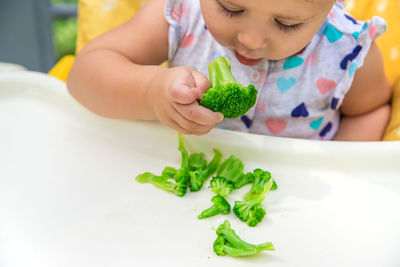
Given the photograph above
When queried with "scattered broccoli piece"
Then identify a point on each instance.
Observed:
(162, 182)
(169, 172)
(221, 186)
(245, 179)
(274, 186)
(228, 242)
(197, 161)
(232, 169)
(220, 206)
(251, 210)
(200, 174)
(261, 179)
(226, 95)
(181, 176)
(184, 153)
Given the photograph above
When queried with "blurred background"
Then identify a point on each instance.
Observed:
(37, 33)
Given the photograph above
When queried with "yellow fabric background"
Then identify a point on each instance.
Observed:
(389, 44)
(98, 16)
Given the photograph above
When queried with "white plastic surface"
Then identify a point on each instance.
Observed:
(68, 195)
(10, 67)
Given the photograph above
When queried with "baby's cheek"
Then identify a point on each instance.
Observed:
(223, 35)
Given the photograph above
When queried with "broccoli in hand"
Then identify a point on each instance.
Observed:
(226, 95)
(221, 186)
(228, 242)
(220, 206)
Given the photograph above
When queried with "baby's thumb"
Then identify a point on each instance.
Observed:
(202, 84)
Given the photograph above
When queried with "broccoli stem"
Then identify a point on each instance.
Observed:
(219, 71)
(236, 252)
(211, 211)
(184, 153)
(157, 181)
(213, 165)
(230, 236)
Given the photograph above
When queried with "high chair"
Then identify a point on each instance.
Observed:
(96, 17)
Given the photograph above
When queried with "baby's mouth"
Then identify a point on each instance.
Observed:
(247, 61)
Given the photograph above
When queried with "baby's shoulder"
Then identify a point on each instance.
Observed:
(340, 24)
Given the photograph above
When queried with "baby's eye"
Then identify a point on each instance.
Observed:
(287, 28)
(229, 12)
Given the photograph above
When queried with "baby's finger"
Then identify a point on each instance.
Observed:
(182, 93)
(181, 124)
(201, 82)
(199, 114)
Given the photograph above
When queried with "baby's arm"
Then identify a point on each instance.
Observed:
(118, 75)
(365, 109)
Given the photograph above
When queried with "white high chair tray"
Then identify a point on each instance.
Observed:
(68, 196)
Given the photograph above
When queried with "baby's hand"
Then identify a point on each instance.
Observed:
(175, 102)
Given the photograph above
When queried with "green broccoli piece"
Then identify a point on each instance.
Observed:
(180, 176)
(197, 161)
(251, 210)
(200, 172)
(261, 179)
(220, 206)
(232, 169)
(226, 95)
(228, 242)
(169, 172)
(162, 182)
(245, 179)
(221, 186)
(184, 153)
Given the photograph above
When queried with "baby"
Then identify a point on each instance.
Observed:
(318, 71)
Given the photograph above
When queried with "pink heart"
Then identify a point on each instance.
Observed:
(188, 40)
(372, 32)
(325, 85)
(332, 15)
(275, 126)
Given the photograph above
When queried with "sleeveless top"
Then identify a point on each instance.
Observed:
(299, 96)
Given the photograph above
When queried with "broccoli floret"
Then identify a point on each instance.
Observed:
(228, 242)
(180, 176)
(220, 206)
(196, 164)
(245, 179)
(178, 187)
(232, 169)
(200, 173)
(197, 161)
(221, 186)
(226, 95)
(261, 179)
(250, 210)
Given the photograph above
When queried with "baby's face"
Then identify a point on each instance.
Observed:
(269, 29)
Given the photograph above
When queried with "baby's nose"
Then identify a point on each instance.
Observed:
(252, 40)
